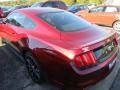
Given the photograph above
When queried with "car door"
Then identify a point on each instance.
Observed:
(94, 14)
(108, 17)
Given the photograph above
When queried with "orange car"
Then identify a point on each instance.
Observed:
(107, 15)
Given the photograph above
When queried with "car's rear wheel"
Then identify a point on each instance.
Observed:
(34, 69)
(116, 26)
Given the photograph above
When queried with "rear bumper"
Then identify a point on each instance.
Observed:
(93, 75)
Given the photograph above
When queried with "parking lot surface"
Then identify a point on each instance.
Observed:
(13, 75)
(116, 83)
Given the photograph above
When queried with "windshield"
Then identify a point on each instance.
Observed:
(64, 21)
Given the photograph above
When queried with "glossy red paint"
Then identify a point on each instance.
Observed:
(69, 58)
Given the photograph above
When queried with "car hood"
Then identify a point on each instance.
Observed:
(86, 37)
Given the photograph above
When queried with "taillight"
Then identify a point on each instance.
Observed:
(85, 60)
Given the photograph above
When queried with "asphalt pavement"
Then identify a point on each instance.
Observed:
(13, 74)
(116, 83)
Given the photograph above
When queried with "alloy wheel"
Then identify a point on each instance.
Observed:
(34, 69)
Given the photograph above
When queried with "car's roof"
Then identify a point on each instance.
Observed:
(39, 10)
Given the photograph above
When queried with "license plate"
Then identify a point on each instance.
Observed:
(111, 64)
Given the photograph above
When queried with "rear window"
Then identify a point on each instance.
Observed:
(64, 21)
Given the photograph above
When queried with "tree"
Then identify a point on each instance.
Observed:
(96, 1)
(70, 2)
(86, 1)
(75, 1)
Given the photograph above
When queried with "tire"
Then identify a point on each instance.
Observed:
(116, 26)
(34, 69)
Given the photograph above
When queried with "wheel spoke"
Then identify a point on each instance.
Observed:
(33, 69)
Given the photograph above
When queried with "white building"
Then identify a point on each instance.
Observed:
(112, 2)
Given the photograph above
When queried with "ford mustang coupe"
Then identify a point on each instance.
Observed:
(59, 45)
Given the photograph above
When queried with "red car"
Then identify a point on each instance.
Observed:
(60, 46)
